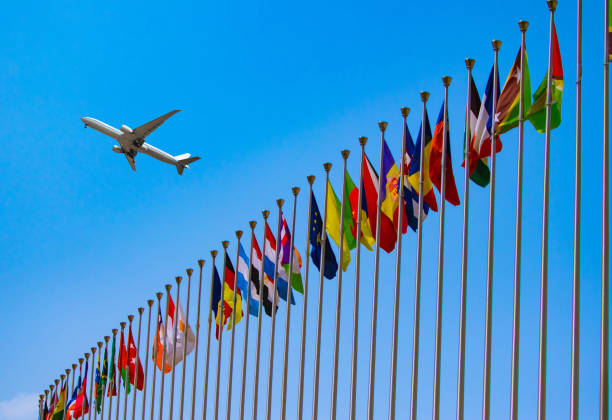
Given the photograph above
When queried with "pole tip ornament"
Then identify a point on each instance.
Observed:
(189, 271)
(178, 279)
(122, 324)
(523, 25)
(68, 371)
(130, 318)
(405, 111)
(47, 391)
(62, 376)
(363, 140)
(295, 191)
(446, 80)
(214, 253)
(382, 125)
(74, 365)
(252, 224)
(310, 179)
(224, 244)
(150, 302)
(159, 295)
(140, 310)
(469, 63)
(552, 5)
(201, 263)
(87, 355)
(168, 287)
(107, 337)
(345, 154)
(280, 202)
(238, 234)
(327, 166)
(81, 359)
(100, 344)
(496, 44)
(265, 214)
(424, 96)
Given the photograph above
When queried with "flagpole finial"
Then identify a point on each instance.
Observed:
(46, 392)
(405, 111)
(280, 202)
(178, 279)
(57, 381)
(265, 214)
(159, 295)
(107, 337)
(87, 354)
(327, 166)
(189, 272)
(382, 125)
(214, 253)
(446, 81)
(81, 360)
(523, 25)
(496, 44)
(68, 371)
(122, 324)
(93, 349)
(295, 191)
(62, 376)
(345, 154)
(310, 179)
(74, 365)
(424, 96)
(363, 140)
(168, 287)
(150, 302)
(201, 263)
(224, 244)
(130, 318)
(469, 63)
(141, 310)
(552, 5)
(238, 234)
(252, 224)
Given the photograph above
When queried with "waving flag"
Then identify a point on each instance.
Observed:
(112, 386)
(158, 351)
(411, 196)
(122, 363)
(58, 410)
(316, 233)
(332, 225)
(269, 263)
(352, 192)
(283, 258)
(228, 294)
(131, 356)
(101, 379)
(415, 168)
(221, 309)
(435, 161)
(78, 404)
(507, 109)
(243, 283)
(51, 405)
(479, 167)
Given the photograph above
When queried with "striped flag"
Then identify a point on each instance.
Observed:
(411, 196)
(269, 263)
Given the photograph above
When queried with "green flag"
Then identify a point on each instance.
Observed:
(112, 387)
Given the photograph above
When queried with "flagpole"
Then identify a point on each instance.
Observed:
(46, 391)
(400, 219)
(252, 224)
(106, 339)
(523, 25)
(310, 179)
(315, 398)
(345, 154)
(164, 345)
(175, 328)
(144, 388)
(91, 380)
(159, 295)
(575, 377)
(230, 377)
(603, 371)
(81, 360)
(140, 311)
(213, 254)
(189, 272)
(65, 396)
(279, 203)
(118, 374)
(265, 214)
(197, 342)
(51, 387)
(295, 191)
(127, 376)
(352, 413)
(68, 396)
(486, 400)
(40, 405)
(225, 244)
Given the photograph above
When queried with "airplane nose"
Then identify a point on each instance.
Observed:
(84, 120)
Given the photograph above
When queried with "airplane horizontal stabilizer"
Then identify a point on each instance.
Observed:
(183, 163)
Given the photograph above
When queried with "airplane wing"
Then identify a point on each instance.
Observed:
(146, 129)
(130, 160)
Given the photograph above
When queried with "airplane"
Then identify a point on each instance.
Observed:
(133, 141)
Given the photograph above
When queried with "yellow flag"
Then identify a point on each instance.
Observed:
(332, 224)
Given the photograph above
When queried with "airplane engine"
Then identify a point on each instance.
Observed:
(117, 149)
(126, 129)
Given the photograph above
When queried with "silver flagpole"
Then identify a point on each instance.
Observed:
(106, 339)
(352, 413)
(127, 376)
(67, 391)
(118, 374)
(417, 287)
(51, 387)
(315, 398)
(575, 378)
(310, 179)
(189, 272)
(345, 154)
(140, 311)
(213, 254)
(197, 343)
(252, 224)
(486, 399)
(265, 214)
(46, 399)
(144, 389)
(69, 394)
(469, 63)
(81, 360)
(603, 371)
(91, 380)
(230, 377)
(57, 382)
(516, 317)
(175, 328)
(159, 295)
(295, 191)
(383, 126)
(41, 398)
(280, 203)
(110, 395)
(163, 362)
(446, 80)
(398, 254)
(225, 244)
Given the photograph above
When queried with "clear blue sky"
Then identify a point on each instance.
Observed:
(269, 91)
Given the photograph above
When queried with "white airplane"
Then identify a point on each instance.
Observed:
(133, 141)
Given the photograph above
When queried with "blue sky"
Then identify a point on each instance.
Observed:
(268, 92)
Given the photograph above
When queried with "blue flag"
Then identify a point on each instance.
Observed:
(316, 230)
(243, 273)
(411, 196)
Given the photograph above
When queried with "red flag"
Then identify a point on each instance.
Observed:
(435, 161)
(132, 355)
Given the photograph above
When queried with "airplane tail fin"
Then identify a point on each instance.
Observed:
(184, 161)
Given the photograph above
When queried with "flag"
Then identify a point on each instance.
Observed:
(78, 405)
(435, 161)
(351, 194)
(390, 200)
(411, 196)
(283, 258)
(101, 379)
(479, 167)
(370, 188)
(332, 225)
(414, 170)
(228, 293)
(52, 404)
(158, 351)
(132, 353)
(537, 113)
(270, 262)
(122, 363)
(221, 315)
(243, 284)
(507, 109)
(316, 232)
(58, 410)
(256, 269)
(112, 385)
(45, 412)
(184, 338)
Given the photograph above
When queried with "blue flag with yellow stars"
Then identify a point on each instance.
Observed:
(316, 230)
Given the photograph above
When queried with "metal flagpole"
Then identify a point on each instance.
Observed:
(91, 379)
(69, 394)
(197, 342)
(140, 311)
(46, 399)
(446, 80)
(417, 287)
(213, 254)
(110, 395)
(163, 362)
(523, 25)
(81, 375)
(230, 377)
(295, 191)
(383, 126)
(106, 339)
(65, 384)
(225, 244)
(265, 214)
(51, 387)
(118, 374)
(41, 397)
(57, 382)
(398, 254)
(575, 378)
(310, 179)
(127, 376)
(345, 154)
(279, 203)
(469, 63)
(154, 354)
(486, 399)
(175, 328)
(315, 398)
(144, 388)
(352, 413)
(189, 272)
(603, 371)
(252, 224)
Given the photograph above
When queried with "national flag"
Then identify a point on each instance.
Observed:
(101, 380)
(479, 167)
(58, 410)
(52, 404)
(390, 199)
(283, 258)
(132, 353)
(112, 383)
(78, 404)
(411, 196)
(435, 161)
(268, 286)
(45, 411)
(158, 352)
(122, 363)
(352, 196)
(316, 233)
(507, 109)
(228, 294)
(537, 113)
(220, 308)
(332, 225)
(269, 264)
(184, 337)
(415, 168)
(243, 284)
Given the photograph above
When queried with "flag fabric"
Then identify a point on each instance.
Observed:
(316, 233)
(332, 225)
(351, 193)
(58, 410)
(228, 294)
(158, 351)
(112, 385)
(45, 412)
(479, 167)
(283, 258)
(507, 109)
(270, 262)
(391, 181)
(416, 167)
(435, 161)
(78, 404)
(101, 379)
(268, 286)
(537, 113)
(132, 353)
(220, 308)
(243, 283)
(52, 404)
(411, 195)
(122, 363)
(184, 338)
